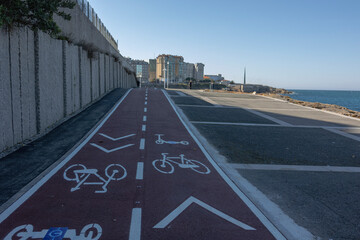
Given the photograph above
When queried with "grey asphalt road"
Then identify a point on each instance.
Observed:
(255, 134)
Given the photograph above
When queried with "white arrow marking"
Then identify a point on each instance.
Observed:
(116, 139)
(111, 150)
(169, 218)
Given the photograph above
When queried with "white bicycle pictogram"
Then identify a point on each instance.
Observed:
(162, 141)
(165, 165)
(79, 173)
(89, 232)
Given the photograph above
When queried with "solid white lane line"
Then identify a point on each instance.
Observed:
(344, 134)
(33, 189)
(278, 121)
(145, 102)
(135, 226)
(145, 109)
(269, 225)
(140, 171)
(336, 129)
(142, 144)
(295, 168)
(181, 94)
(144, 118)
(239, 124)
(143, 128)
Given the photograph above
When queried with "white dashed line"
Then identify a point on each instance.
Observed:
(145, 109)
(140, 171)
(145, 98)
(135, 226)
(143, 128)
(145, 102)
(142, 144)
(303, 168)
(144, 118)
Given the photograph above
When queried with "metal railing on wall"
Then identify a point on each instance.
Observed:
(93, 17)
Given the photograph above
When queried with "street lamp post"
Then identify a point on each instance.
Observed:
(140, 76)
(168, 72)
(164, 76)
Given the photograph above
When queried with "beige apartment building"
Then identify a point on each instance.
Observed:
(152, 70)
(174, 69)
(169, 68)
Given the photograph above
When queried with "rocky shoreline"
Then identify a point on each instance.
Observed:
(323, 106)
(276, 93)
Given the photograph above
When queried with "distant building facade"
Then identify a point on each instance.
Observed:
(216, 78)
(174, 69)
(152, 70)
(188, 71)
(169, 68)
(141, 68)
(199, 71)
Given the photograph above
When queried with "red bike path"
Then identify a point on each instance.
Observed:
(117, 185)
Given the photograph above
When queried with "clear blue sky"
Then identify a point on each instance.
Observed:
(294, 44)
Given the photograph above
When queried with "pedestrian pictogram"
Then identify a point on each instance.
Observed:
(166, 164)
(80, 174)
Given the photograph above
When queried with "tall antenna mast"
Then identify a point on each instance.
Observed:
(244, 75)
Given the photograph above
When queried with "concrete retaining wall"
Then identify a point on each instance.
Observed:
(43, 80)
(81, 30)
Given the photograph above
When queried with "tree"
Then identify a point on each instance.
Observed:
(35, 14)
(232, 82)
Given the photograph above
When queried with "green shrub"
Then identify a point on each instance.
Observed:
(35, 14)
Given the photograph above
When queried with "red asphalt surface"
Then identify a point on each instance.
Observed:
(131, 206)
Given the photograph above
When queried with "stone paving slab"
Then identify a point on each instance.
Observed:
(216, 114)
(282, 145)
(190, 101)
(222, 95)
(316, 118)
(327, 204)
(324, 202)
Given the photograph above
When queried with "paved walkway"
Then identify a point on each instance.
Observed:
(304, 160)
(139, 175)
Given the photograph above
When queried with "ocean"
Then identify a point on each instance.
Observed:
(348, 99)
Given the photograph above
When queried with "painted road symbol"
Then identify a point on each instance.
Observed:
(55, 233)
(113, 139)
(161, 141)
(79, 173)
(165, 165)
(24, 232)
(174, 214)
